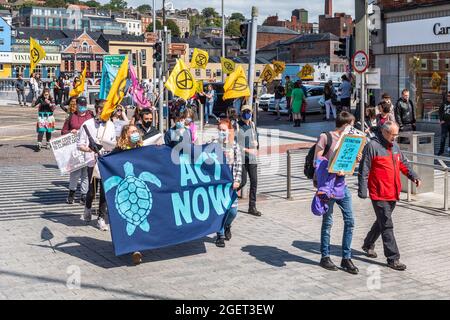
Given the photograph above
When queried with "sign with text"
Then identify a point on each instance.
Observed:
(360, 62)
(344, 159)
(66, 153)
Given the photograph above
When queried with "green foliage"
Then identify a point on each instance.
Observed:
(209, 13)
(172, 26)
(237, 16)
(116, 5)
(233, 28)
(144, 8)
(158, 26)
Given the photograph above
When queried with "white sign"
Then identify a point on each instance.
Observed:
(360, 61)
(24, 58)
(417, 32)
(373, 79)
(67, 155)
(5, 57)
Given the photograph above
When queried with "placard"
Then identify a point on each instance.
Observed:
(344, 159)
(67, 155)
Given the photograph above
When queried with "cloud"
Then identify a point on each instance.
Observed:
(266, 7)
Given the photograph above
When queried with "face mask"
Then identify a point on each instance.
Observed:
(223, 135)
(147, 124)
(246, 116)
(188, 120)
(82, 109)
(179, 125)
(135, 137)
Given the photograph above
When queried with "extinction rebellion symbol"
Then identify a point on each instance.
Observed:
(184, 80)
(35, 55)
(240, 84)
(200, 60)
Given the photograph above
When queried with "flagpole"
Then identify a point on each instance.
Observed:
(223, 37)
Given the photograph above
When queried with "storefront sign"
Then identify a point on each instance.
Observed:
(24, 58)
(82, 56)
(426, 31)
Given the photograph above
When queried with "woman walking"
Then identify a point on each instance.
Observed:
(46, 120)
(296, 103)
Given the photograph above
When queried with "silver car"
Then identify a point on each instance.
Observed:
(313, 105)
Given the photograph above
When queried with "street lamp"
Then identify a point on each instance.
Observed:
(75, 46)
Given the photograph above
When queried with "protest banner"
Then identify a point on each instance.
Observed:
(111, 66)
(155, 202)
(66, 153)
(344, 159)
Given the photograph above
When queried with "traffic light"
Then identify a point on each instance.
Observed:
(344, 48)
(244, 37)
(157, 52)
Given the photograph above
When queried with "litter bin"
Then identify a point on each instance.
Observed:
(418, 142)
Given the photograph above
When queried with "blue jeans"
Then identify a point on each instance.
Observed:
(208, 110)
(229, 217)
(327, 222)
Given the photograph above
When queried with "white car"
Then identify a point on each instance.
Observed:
(313, 103)
(265, 100)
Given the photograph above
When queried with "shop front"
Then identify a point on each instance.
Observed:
(72, 64)
(49, 67)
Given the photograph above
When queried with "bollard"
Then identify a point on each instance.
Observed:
(288, 154)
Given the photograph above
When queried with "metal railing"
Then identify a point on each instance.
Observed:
(441, 167)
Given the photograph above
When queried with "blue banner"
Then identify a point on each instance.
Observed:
(111, 65)
(155, 202)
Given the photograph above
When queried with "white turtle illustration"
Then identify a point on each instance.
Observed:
(133, 198)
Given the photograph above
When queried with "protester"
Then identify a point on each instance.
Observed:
(34, 89)
(145, 125)
(120, 119)
(346, 93)
(386, 98)
(288, 87)
(329, 96)
(444, 117)
(46, 120)
(188, 116)
(249, 142)
(59, 90)
(279, 94)
(234, 161)
(264, 88)
(20, 89)
(209, 104)
(66, 88)
(237, 103)
(379, 173)
(72, 125)
(405, 114)
(343, 120)
(297, 98)
(103, 141)
(179, 133)
(384, 115)
(233, 116)
(370, 122)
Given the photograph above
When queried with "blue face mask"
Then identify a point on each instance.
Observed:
(223, 135)
(135, 137)
(179, 125)
(82, 109)
(246, 116)
(188, 120)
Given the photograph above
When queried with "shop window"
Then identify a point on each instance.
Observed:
(66, 65)
(99, 66)
(219, 72)
(424, 64)
(72, 65)
(208, 73)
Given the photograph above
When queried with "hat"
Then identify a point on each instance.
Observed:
(246, 107)
(82, 102)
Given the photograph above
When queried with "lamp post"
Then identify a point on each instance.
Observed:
(223, 38)
(75, 45)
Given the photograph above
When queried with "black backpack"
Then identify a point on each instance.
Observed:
(309, 160)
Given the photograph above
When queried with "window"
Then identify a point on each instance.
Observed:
(447, 64)
(82, 65)
(2, 42)
(99, 66)
(435, 64)
(51, 72)
(2, 29)
(66, 65)
(208, 73)
(72, 65)
(1, 67)
(85, 47)
(258, 73)
(197, 73)
(219, 72)
(424, 64)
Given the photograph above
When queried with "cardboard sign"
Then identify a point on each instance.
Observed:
(344, 159)
(67, 155)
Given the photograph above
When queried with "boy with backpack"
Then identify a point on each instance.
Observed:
(325, 148)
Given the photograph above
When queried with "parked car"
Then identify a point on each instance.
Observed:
(220, 106)
(265, 100)
(314, 95)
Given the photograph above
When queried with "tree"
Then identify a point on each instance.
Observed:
(172, 26)
(237, 16)
(55, 3)
(145, 8)
(116, 5)
(209, 13)
(158, 26)
(233, 28)
(93, 4)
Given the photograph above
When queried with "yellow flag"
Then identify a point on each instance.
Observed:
(279, 66)
(199, 59)
(228, 65)
(199, 88)
(268, 74)
(117, 91)
(236, 85)
(37, 53)
(181, 82)
(307, 73)
(78, 87)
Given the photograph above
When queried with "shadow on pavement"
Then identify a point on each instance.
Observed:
(27, 146)
(70, 220)
(49, 197)
(50, 166)
(274, 256)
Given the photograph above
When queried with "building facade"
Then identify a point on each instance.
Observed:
(420, 63)
(340, 24)
(132, 26)
(269, 34)
(51, 18)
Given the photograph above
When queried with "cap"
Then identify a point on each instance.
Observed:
(246, 107)
(81, 101)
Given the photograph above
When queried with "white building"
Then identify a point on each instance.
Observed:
(133, 26)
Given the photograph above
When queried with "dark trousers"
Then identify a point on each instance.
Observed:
(48, 136)
(288, 106)
(408, 127)
(252, 170)
(58, 96)
(94, 184)
(345, 104)
(303, 114)
(383, 226)
(445, 131)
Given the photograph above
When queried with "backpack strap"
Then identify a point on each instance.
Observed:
(329, 142)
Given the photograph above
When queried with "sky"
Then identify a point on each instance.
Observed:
(266, 7)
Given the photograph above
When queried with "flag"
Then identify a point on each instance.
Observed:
(78, 87)
(137, 91)
(117, 91)
(268, 74)
(199, 59)
(236, 85)
(228, 65)
(181, 82)
(199, 85)
(278, 66)
(37, 53)
(307, 73)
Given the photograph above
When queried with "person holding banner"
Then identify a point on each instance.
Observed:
(72, 125)
(97, 138)
(233, 156)
(46, 120)
(120, 119)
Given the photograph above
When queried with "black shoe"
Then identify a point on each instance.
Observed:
(71, 197)
(254, 211)
(326, 263)
(83, 199)
(220, 242)
(396, 265)
(370, 252)
(348, 266)
(38, 147)
(228, 233)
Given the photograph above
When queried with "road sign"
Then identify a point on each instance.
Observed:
(360, 62)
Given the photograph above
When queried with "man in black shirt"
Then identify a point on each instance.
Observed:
(279, 94)
(444, 117)
(145, 124)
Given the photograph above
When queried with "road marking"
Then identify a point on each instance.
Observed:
(18, 125)
(9, 138)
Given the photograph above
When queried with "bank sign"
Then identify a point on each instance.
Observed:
(24, 58)
(418, 32)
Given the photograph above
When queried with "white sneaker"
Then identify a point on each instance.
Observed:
(101, 224)
(87, 216)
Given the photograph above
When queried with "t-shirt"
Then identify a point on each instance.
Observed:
(322, 143)
(289, 88)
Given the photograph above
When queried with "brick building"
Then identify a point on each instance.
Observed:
(269, 34)
(340, 24)
(298, 22)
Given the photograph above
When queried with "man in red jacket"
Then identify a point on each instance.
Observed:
(379, 172)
